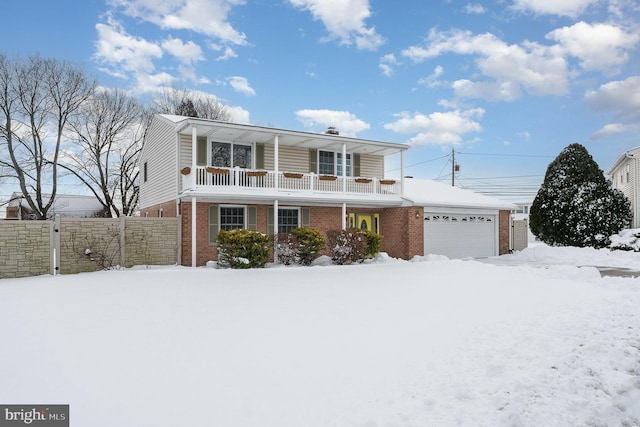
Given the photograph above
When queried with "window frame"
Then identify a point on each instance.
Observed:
(244, 216)
(232, 145)
(336, 168)
(298, 217)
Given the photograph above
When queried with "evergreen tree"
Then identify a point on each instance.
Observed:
(576, 205)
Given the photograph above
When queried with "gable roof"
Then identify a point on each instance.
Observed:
(243, 133)
(425, 192)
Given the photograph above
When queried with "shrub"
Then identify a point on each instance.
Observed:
(374, 243)
(242, 248)
(309, 244)
(286, 248)
(347, 246)
(576, 205)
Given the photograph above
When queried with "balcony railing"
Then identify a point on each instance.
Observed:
(288, 181)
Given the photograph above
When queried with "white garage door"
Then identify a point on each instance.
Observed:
(460, 235)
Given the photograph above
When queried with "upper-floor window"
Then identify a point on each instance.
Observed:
(230, 155)
(330, 163)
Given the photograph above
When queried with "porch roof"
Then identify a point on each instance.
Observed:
(235, 132)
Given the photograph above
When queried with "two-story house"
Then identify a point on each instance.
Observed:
(220, 175)
(624, 176)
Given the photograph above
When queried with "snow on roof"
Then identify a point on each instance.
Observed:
(66, 205)
(426, 192)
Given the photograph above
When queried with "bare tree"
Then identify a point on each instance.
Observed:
(37, 98)
(108, 132)
(192, 104)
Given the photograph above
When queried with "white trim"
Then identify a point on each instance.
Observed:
(193, 231)
(244, 219)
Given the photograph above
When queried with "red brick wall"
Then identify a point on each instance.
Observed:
(168, 210)
(504, 232)
(402, 232)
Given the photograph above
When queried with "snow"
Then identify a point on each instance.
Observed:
(425, 192)
(529, 339)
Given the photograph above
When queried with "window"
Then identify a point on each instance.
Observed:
(224, 154)
(339, 166)
(628, 168)
(231, 218)
(160, 213)
(288, 219)
(330, 163)
(144, 172)
(326, 163)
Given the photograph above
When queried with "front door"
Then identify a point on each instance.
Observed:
(364, 222)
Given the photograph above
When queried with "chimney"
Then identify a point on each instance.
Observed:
(332, 131)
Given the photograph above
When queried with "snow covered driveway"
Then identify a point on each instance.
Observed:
(433, 342)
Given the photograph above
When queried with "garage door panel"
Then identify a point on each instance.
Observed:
(460, 236)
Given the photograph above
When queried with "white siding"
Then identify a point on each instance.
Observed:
(159, 153)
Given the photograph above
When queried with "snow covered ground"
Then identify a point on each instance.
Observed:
(432, 342)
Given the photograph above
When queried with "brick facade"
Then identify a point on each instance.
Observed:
(401, 228)
(504, 230)
(168, 209)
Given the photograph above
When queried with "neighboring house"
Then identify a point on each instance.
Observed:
(64, 205)
(220, 175)
(624, 176)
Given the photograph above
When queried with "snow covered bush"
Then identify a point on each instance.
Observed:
(309, 244)
(576, 205)
(286, 248)
(242, 248)
(346, 246)
(626, 240)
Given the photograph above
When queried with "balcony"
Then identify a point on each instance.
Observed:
(216, 179)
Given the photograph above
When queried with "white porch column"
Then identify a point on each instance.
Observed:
(275, 230)
(402, 173)
(276, 160)
(344, 168)
(194, 156)
(193, 231)
(344, 216)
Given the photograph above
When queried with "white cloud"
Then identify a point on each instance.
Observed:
(207, 17)
(623, 99)
(571, 8)
(123, 52)
(433, 79)
(439, 128)
(186, 53)
(474, 9)
(344, 20)
(598, 46)
(387, 63)
(345, 122)
(228, 54)
(620, 96)
(241, 84)
(534, 68)
(612, 129)
(146, 83)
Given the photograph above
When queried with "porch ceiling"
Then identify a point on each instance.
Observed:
(233, 132)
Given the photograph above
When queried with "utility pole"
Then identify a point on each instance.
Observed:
(453, 168)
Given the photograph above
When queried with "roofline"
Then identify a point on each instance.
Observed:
(621, 157)
(187, 121)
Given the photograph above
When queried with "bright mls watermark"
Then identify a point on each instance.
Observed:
(34, 415)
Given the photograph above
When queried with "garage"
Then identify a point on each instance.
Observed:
(461, 235)
(459, 223)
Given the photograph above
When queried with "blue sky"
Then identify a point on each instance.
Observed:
(506, 83)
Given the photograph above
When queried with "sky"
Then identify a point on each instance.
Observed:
(506, 84)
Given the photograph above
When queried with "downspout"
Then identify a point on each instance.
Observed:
(402, 173)
(194, 161)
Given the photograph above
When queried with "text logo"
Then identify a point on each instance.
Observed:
(34, 415)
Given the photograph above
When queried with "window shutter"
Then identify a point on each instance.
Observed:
(213, 224)
(270, 221)
(252, 218)
(259, 156)
(355, 159)
(313, 160)
(201, 151)
(305, 220)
